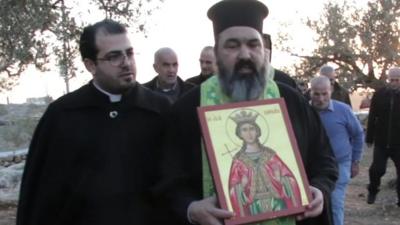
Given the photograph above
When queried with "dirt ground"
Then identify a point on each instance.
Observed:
(358, 212)
(384, 211)
(7, 214)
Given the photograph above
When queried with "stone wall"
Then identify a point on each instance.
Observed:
(11, 160)
(11, 169)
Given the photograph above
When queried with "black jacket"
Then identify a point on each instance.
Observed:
(341, 94)
(197, 80)
(384, 118)
(183, 164)
(279, 76)
(93, 162)
(285, 78)
(183, 87)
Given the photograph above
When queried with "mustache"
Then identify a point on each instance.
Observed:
(244, 63)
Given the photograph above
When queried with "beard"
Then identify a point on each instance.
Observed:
(242, 87)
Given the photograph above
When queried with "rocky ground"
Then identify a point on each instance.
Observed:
(17, 122)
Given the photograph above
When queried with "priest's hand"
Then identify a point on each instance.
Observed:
(316, 205)
(205, 212)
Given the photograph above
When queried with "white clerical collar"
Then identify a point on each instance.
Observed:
(113, 97)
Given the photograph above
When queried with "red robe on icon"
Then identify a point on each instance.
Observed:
(261, 182)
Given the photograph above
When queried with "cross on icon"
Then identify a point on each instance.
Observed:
(228, 151)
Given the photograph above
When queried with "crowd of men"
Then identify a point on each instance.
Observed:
(119, 152)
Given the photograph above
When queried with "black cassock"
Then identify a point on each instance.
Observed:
(94, 162)
(183, 164)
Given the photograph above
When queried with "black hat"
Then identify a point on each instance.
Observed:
(229, 13)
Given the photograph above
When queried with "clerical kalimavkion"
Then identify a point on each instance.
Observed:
(259, 180)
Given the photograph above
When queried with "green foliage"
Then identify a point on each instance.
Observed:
(27, 28)
(129, 12)
(362, 42)
(19, 22)
(67, 33)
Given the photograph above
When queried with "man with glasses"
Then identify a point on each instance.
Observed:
(92, 159)
(383, 132)
(338, 92)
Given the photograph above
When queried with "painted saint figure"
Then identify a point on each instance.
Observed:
(259, 180)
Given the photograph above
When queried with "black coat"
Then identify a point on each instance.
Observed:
(384, 118)
(197, 80)
(183, 87)
(85, 167)
(285, 78)
(341, 94)
(279, 76)
(183, 164)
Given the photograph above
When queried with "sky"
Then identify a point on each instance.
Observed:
(184, 27)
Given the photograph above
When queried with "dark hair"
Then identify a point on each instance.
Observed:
(267, 44)
(267, 41)
(258, 129)
(87, 42)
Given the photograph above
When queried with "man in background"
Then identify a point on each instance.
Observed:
(345, 135)
(167, 82)
(303, 87)
(338, 93)
(208, 66)
(383, 132)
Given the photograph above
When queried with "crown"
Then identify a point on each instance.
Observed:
(242, 117)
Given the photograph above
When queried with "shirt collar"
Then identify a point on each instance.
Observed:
(166, 89)
(330, 107)
(112, 97)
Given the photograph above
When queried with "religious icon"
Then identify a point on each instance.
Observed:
(259, 180)
(254, 160)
